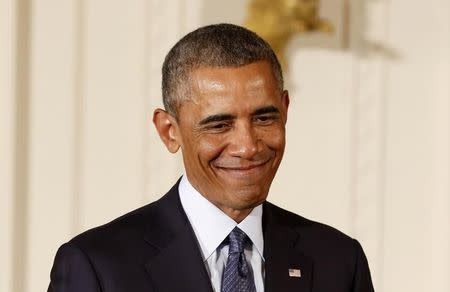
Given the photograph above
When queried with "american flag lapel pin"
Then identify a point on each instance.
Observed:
(295, 273)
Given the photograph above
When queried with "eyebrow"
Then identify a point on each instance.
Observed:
(266, 110)
(216, 118)
(227, 117)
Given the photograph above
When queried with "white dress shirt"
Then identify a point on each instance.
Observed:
(212, 226)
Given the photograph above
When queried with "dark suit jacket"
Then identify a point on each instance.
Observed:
(155, 249)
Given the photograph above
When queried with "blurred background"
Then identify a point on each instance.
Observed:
(367, 135)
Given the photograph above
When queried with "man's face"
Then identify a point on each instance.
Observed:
(232, 134)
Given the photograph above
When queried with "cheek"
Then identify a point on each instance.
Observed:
(209, 148)
(274, 139)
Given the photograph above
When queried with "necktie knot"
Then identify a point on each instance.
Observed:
(237, 239)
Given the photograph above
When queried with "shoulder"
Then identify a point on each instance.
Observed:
(315, 237)
(132, 225)
(111, 251)
(123, 226)
(339, 260)
(304, 225)
(114, 240)
(125, 235)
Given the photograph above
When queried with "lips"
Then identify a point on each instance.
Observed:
(244, 170)
(244, 167)
(241, 164)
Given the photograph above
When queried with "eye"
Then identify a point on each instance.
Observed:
(219, 126)
(265, 119)
(262, 119)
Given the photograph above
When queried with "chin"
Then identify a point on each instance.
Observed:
(249, 197)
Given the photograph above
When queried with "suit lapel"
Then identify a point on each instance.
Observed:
(177, 264)
(281, 253)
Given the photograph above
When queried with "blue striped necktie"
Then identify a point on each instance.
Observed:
(237, 276)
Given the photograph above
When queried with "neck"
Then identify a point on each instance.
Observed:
(236, 215)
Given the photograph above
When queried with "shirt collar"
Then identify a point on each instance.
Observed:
(211, 225)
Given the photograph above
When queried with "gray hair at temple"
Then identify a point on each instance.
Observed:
(218, 45)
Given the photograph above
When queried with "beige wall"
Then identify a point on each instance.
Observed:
(368, 130)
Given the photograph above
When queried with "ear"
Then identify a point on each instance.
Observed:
(167, 128)
(285, 103)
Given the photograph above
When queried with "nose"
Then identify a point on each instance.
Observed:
(244, 142)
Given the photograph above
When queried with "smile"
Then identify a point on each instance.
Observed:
(244, 171)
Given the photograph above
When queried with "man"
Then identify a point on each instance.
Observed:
(226, 108)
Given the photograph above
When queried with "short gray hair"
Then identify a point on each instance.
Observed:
(218, 45)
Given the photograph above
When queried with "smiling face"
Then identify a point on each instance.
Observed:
(232, 134)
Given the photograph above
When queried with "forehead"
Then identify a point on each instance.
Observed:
(248, 83)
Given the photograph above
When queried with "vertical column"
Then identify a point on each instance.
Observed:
(368, 127)
(7, 125)
(440, 196)
(51, 144)
(21, 83)
(162, 168)
(412, 164)
(114, 110)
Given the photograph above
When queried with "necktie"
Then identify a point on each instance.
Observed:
(237, 276)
